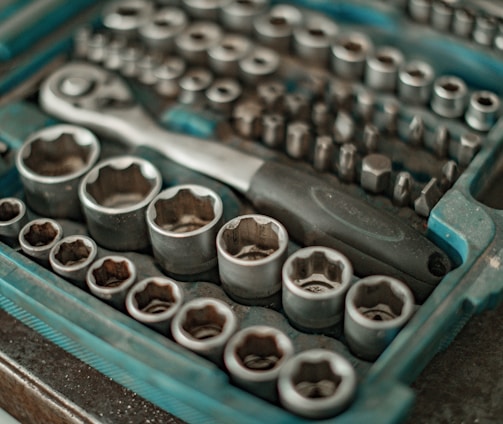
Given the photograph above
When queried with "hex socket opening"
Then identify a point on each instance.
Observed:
(250, 240)
(72, 253)
(204, 322)
(258, 352)
(379, 302)
(155, 298)
(9, 210)
(40, 234)
(315, 380)
(111, 273)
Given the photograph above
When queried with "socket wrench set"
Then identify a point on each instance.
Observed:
(252, 211)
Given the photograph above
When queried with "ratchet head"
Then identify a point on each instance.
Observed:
(88, 95)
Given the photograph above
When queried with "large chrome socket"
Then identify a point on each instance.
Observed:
(317, 384)
(377, 307)
(224, 57)
(251, 251)
(51, 164)
(183, 223)
(126, 17)
(254, 357)
(110, 278)
(154, 302)
(312, 40)
(315, 282)
(12, 217)
(38, 237)
(193, 43)
(115, 195)
(275, 29)
(239, 15)
(72, 256)
(204, 325)
(381, 72)
(159, 32)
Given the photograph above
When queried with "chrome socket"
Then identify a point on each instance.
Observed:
(272, 95)
(273, 130)
(449, 97)
(224, 57)
(415, 80)
(109, 278)
(193, 85)
(72, 256)
(223, 94)
(258, 65)
(159, 32)
(251, 251)
(146, 67)
(485, 30)
(53, 161)
(167, 76)
(195, 41)
(154, 302)
(312, 40)
(113, 60)
(254, 357)
(420, 10)
(324, 150)
(204, 325)
(377, 307)
(483, 110)
(129, 58)
(441, 16)
(298, 139)
(247, 118)
(97, 46)
(349, 53)
(317, 383)
(462, 22)
(115, 195)
(275, 29)
(127, 16)
(183, 222)
(315, 282)
(381, 70)
(239, 15)
(12, 217)
(38, 237)
(204, 9)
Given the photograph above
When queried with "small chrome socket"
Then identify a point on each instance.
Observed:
(167, 75)
(349, 53)
(254, 357)
(442, 15)
(204, 325)
(312, 40)
(251, 251)
(204, 9)
(260, 64)
(317, 384)
(420, 10)
(273, 130)
(224, 57)
(159, 32)
(315, 282)
(298, 139)
(38, 237)
(109, 278)
(195, 41)
(377, 307)
(462, 22)
(449, 97)
(239, 15)
(51, 164)
(154, 302)
(415, 80)
(223, 94)
(12, 217)
(485, 29)
(115, 195)
(275, 29)
(483, 110)
(183, 223)
(193, 86)
(72, 256)
(127, 16)
(381, 72)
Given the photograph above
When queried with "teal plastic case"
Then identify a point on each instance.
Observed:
(464, 222)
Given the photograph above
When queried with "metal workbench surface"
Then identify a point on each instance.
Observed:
(41, 383)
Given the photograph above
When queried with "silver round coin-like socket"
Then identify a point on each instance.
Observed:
(224, 57)
(72, 256)
(312, 40)
(377, 307)
(12, 216)
(167, 75)
(349, 53)
(154, 301)
(204, 9)
(51, 164)
(115, 195)
(223, 94)
(38, 237)
(204, 325)
(449, 97)
(183, 223)
(275, 28)
(110, 278)
(315, 282)
(251, 252)
(382, 66)
(126, 16)
(254, 357)
(483, 110)
(317, 384)
(160, 31)
(193, 85)
(258, 65)
(239, 15)
(195, 41)
(415, 80)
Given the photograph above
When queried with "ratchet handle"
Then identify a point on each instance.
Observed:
(316, 213)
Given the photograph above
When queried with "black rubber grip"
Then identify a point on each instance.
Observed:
(315, 213)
